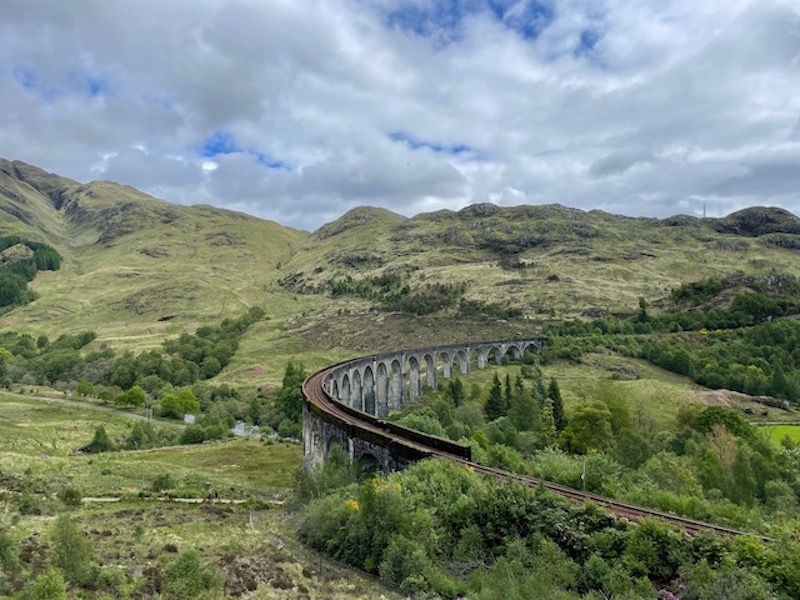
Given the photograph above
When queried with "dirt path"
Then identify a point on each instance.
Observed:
(91, 406)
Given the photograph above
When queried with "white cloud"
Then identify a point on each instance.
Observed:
(640, 108)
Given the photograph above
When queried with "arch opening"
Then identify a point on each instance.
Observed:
(369, 391)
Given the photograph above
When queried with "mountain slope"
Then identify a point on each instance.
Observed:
(542, 261)
(134, 265)
(137, 269)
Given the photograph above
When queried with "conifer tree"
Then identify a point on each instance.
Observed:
(547, 425)
(495, 404)
(554, 393)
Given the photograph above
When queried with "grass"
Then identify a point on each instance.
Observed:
(778, 432)
(137, 270)
(37, 444)
(650, 392)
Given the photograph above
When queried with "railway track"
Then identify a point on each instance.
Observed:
(314, 391)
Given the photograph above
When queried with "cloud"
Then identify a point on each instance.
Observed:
(298, 111)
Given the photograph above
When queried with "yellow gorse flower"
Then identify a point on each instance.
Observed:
(352, 504)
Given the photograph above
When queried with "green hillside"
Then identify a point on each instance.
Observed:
(136, 268)
(515, 268)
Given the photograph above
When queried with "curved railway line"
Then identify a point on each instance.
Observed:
(315, 394)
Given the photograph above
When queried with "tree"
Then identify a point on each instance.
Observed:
(523, 411)
(496, 403)
(455, 389)
(136, 396)
(290, 397)
(72, 551)
(85, 388)
(548, 424)
(186, 578)
(210, 367)
(589, 429)
(100, 442)
(182, 403)
(554, 393)
(188, 402)
(50, 585)
(643, 317)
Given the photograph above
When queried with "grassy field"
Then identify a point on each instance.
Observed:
(249, 543)
(650, 392)
(778, 432)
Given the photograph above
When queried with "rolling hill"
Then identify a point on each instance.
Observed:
(137, 269)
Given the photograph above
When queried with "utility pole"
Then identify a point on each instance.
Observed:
(583, 475)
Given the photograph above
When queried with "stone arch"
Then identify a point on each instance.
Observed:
(513, 352)
(336, 444)
(382, 391)
(314, 448)
(413, 378)
(370, 463)
(459, 363)
(344, 390)
(444, 361)
(334, 389)
(428, 365)
(395, 373)
(356, 391)
(494, 355)
(369, 391)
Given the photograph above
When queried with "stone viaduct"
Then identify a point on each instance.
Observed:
(368, 388)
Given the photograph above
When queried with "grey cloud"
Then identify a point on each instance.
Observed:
(679, 103)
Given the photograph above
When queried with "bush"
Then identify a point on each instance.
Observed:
(73, 551)
(185, 577)
(162, 482)
(100, 442)
(50, 585)
(70, 497)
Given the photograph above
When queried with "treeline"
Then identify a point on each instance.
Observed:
(710, 464)
(391, 292)
(746, 309)
(181, 361)
(524, 414)
(759, 360)
(438, 531)
(17, 271)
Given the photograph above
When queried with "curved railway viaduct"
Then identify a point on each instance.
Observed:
(345, 404)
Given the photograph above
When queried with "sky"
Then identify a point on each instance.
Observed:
(299, 110)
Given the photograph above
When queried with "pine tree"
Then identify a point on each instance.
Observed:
(519, 385)
(508, 396)
(455, 389)
(547, 425)
(524, 411)
(495, 404)
(554, 393)
(778, 385)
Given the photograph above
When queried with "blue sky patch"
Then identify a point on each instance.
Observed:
(30, 79)
(441, 20)
(528, 19)
(265, 160)
(219, 142)
(415, 144)
(97, 86)
(588, 41)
